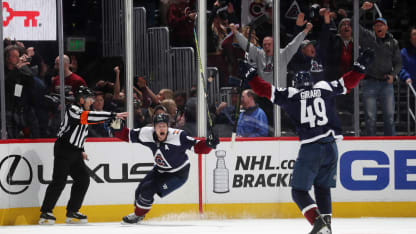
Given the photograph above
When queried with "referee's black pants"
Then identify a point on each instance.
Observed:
(67, 161)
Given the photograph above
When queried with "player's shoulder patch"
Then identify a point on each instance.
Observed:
(322, 85)
(146, 134)
(292, 92)
(174, 136)
(175, 131)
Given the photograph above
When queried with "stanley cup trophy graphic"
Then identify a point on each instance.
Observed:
(221, 174)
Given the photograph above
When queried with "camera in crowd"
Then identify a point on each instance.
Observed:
(314, 12)
(223, 2)
(53, 100)
(222, 9)
(137, 103)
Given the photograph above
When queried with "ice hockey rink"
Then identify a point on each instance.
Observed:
(238, 226)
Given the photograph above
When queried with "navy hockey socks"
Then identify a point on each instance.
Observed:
(305, 204)
(323, 199)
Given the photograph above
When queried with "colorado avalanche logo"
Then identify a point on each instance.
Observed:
(160, 161)
(256, 8)
(268, 68)
(316, 67)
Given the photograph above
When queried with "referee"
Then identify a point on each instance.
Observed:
(69, 156)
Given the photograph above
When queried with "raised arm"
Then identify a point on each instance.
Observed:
(291, 48)
(242, 42)
(116, 91)
(352, 78)
(147, 92)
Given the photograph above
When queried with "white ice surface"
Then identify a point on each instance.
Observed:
(238, 226)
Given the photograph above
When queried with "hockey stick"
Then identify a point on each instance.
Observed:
(378, 10)
(254, 24)
(210, 124)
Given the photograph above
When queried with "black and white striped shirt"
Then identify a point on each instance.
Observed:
(74, 127)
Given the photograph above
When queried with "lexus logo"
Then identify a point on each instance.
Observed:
(16, 174)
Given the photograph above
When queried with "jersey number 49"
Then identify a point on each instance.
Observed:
(314, 114)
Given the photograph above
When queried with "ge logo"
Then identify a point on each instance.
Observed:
(15, 174)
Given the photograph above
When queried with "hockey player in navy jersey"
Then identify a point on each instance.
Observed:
(310, 107)
(171, 163)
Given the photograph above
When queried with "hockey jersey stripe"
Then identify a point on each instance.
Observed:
(79, 136)
(74, 134)
(175, 169)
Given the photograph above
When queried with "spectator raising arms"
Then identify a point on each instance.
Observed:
(181, 23)
(378, 83)
(19, 84)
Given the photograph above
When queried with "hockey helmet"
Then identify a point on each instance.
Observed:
(83, 92)
(303, 79)
(161, 118)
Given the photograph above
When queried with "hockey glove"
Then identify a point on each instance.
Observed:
(363, 61)
(247, 71)
(116, 124)
(212, 141)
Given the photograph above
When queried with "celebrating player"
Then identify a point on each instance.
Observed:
(171, 167)
(310, 108)
(69, 156)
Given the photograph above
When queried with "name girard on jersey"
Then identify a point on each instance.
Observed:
(313, 93)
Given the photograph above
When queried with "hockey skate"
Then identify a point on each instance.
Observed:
(327, 219)
(320, 226)
(132, 219)
(75, 218)
(47, 218)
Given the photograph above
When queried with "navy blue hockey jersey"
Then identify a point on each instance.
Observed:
(169, 155)
(312, 109)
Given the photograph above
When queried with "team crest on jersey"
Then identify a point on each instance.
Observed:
(256, 8)
(160, 160)
(268, 68)
(175, 132)
(315, 66)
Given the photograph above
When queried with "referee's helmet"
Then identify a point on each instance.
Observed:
(83, 92)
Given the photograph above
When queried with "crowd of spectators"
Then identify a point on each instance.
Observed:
(33, 105)
(316, 36)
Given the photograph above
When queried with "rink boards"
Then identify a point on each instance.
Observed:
(376, 178)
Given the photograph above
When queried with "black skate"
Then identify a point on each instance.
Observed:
(320, 226)
(75, 218)
(327, 219)
(47, 218)
(132, 219)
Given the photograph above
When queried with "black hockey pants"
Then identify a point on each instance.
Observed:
(67, 161)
